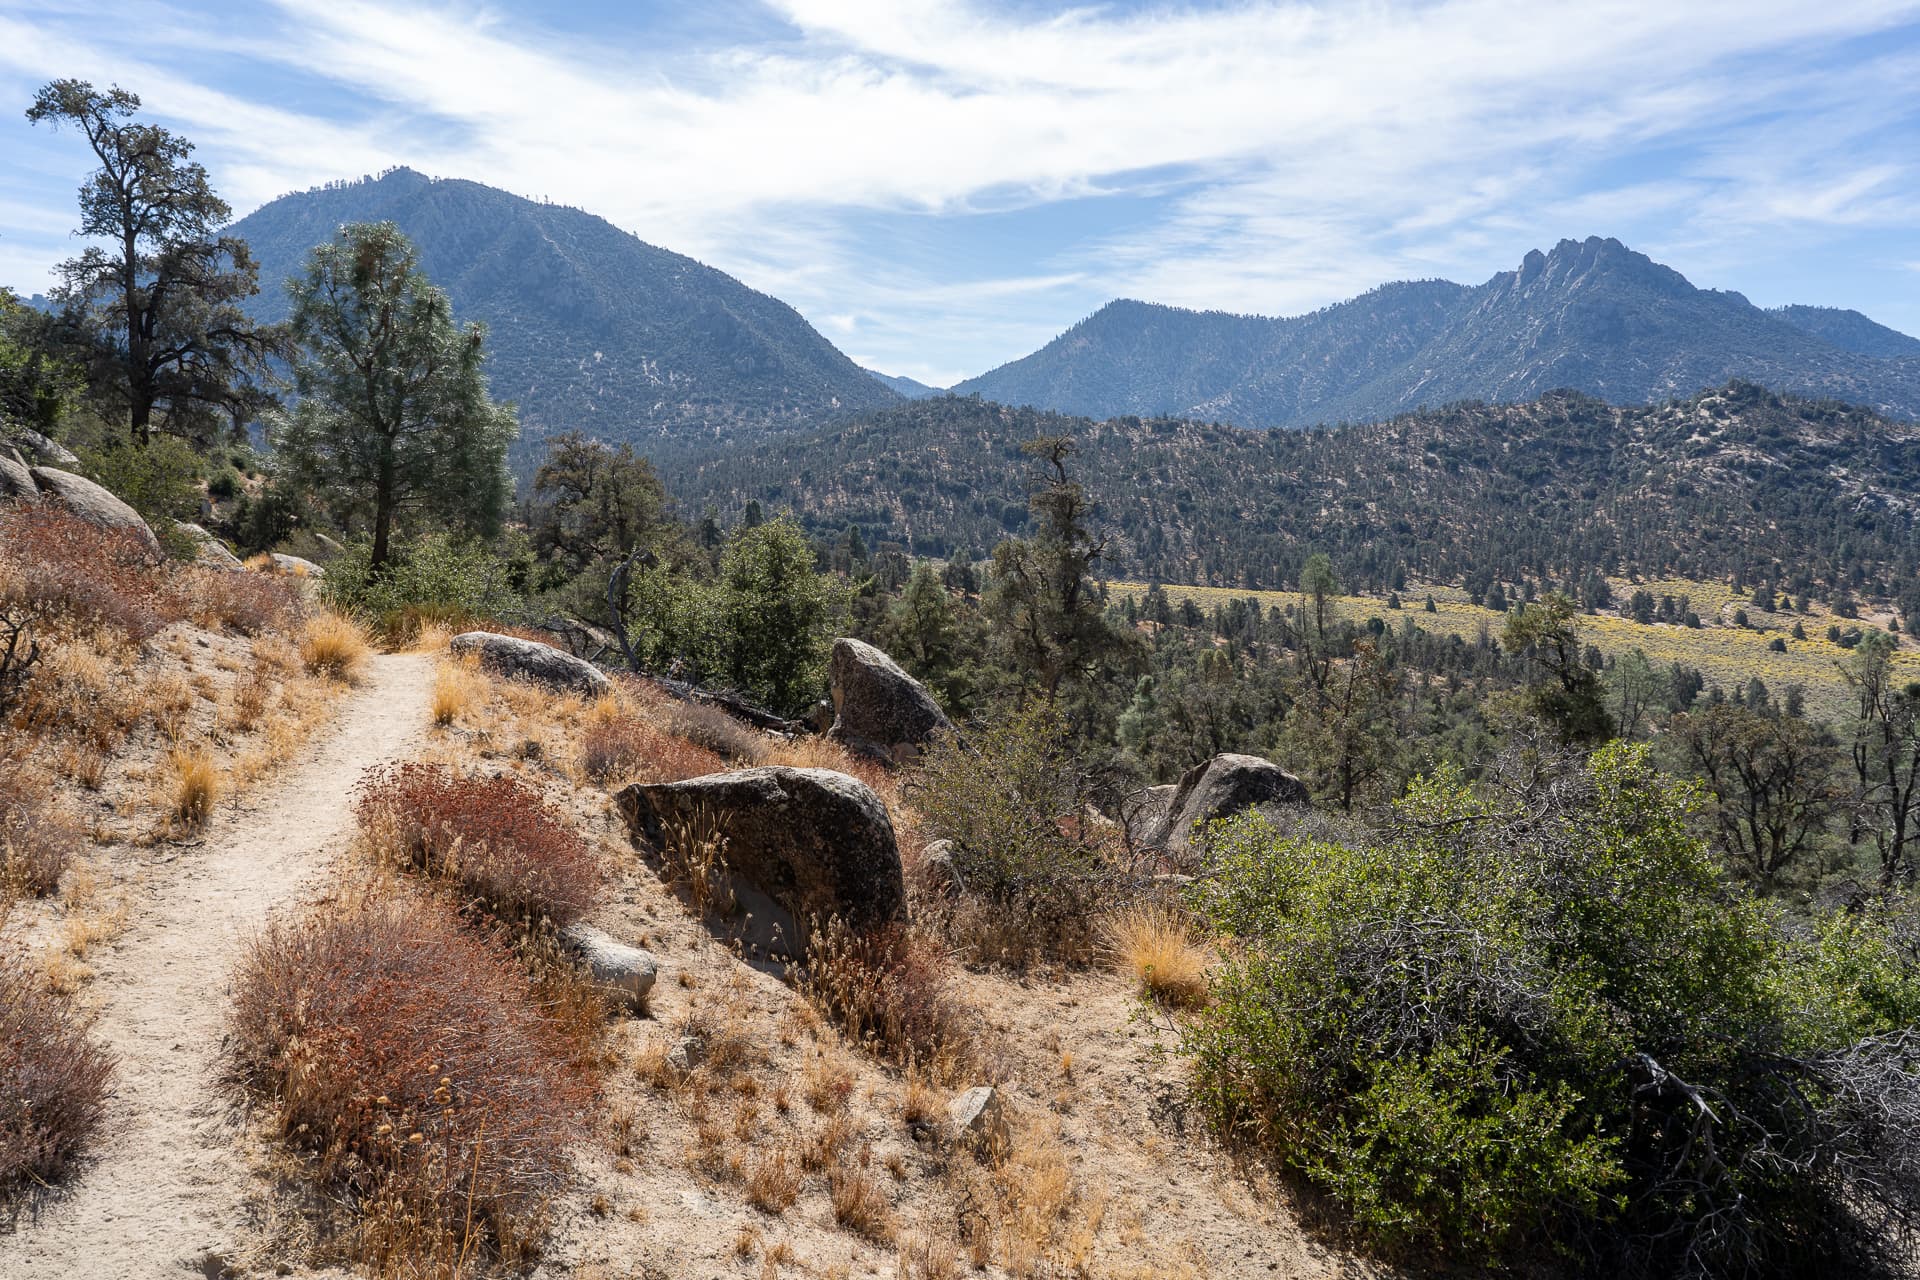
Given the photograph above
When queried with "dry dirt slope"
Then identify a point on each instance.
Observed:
(167, 1189)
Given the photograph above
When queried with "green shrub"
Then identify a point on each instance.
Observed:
(160, 480)
(1546, 1017)
(436, 579)
(764, 625)
(1012, 798)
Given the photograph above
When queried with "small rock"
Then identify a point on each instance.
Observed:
(818, 843)
(207, 549)
(625, 973)
(941, 867)
(977, 1120)
(296, 567)
(16, 481)
(687, 1053)
(42, 450)
(1220, 788)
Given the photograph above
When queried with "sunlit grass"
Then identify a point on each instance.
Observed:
(1727, 655)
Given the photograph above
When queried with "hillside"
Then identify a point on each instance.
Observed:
(590, 328)
(1592, 315)
(1720, 484)
(1850, 331)
(907, 387)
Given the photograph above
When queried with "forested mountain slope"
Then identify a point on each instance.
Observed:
(590, 328)
(1591, 315)
(1818, 496)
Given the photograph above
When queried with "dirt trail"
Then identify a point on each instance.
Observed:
(167, 1189)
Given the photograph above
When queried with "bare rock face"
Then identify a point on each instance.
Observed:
(515, 658)
(1144, 814)
(1220, 788)
(296, 566)
(207, 549)
(878, 708)
(624, 973)
(93, 504)
(16, 480)
(817, 842)
(42, 450)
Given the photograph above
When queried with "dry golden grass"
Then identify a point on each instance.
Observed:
(334, 646)
(194, 787)
(774, 1180)
(458, 687)
(1153, 943)
(860, 1204)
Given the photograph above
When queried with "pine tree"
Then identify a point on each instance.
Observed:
(394, 413)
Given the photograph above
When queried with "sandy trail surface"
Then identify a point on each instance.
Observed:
(166, 1191)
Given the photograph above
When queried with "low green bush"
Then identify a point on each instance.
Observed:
(435, 579)
(1514, 1018)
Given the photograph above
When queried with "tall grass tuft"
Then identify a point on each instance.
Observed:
(334, 646)
(1152, 943)
(196, 787)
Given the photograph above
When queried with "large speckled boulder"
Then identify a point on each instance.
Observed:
(1220, 788)
(879, 709)
(94, 504)
(519, 659)
(817, 842)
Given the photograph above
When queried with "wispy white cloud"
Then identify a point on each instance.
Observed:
(1281, 155)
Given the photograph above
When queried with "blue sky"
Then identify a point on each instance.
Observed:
(941, 187)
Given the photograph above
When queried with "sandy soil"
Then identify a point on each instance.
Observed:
(166, 1193)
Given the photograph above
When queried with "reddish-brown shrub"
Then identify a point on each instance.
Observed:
(250, 603)
(412, 1058)
(35, 841)
(626, 747)
(495, 837)
(60, 564)
(53, 1079)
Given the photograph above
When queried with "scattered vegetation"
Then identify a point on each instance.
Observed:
(53, 1080)
(508, 850)
(195, 788)
(412, 1065)
(1152, 942)
(334, 645)
(36, 841)
(1538, 1013)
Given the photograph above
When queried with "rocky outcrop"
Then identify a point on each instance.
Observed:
(519, 659)
(816, 842)
(1220, 788)
(625, 974)
(39, 449)
(878, 708)
(93, 504)
(207, 549)
(16, 479)
(295, 566)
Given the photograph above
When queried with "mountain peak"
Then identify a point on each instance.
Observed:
(1592, 315)
(591, 328)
